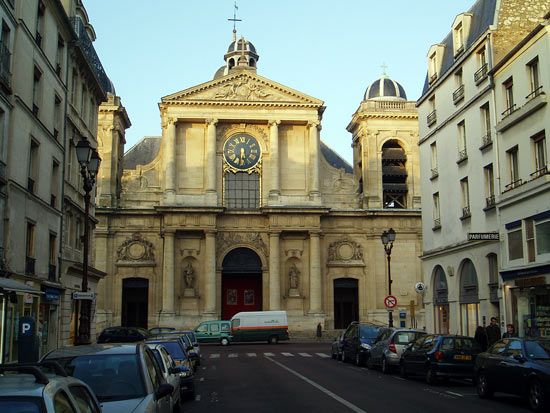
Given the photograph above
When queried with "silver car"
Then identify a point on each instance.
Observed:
(124, 377)
(170, 372)
(389, 345)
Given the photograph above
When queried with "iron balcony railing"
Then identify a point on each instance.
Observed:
(5, 74)
(29, 265)
(513, 184)
(88, 50)
(509, 111)
(435, 173)
(462, 155)
(466, 212)
(538, 91)
(486, 140)
(433, 78)
(458, 94)
(481, 73)
(431, 118)
(490, 201)
(459, 50)
(540, 172)
(437, 223)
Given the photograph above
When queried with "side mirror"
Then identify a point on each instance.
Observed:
(520, 358)
(164, 390)
(173, 370)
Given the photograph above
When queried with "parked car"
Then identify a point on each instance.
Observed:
(214, 331)
(170, 373)
(193, 338)
(517, 366)
(357, 342)
(124, 377)
(336, 350)
(185, 343)
(440, 357)
(389, 345)
(177, 352)
(122, 335)
(155, 331)
(35, 389)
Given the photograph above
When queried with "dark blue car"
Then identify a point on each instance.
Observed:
(357, 342)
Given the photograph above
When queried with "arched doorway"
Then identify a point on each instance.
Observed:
(135, 299)
(241, 282)
(469, 298)
(441, 301)
(346, 302)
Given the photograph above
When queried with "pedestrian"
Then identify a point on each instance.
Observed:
(480, 337)
(510, 331)
(493, 332)
(319, 332)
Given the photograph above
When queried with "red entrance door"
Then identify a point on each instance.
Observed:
(241, 293)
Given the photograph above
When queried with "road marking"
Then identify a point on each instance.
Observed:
(232, 355)
(198, 398)
(454, 394)
(319, 387)
(304, 354)
(323, 355)
(269, 354)
(251, 354)
(399, 378)
(214, 356)
(288, 354)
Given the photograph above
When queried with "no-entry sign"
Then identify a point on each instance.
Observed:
(390, 301)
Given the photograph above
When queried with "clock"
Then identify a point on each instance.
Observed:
(242, 151)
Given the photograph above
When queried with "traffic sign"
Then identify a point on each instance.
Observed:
(81, 295)
(390, 301)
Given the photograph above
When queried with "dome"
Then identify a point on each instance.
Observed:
(242, 43)
(385, 89)
(222, 71)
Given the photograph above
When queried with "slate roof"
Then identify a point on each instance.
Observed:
(147, 149)
(483, 15)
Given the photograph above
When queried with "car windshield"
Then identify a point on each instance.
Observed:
(174, 349)
(111, 376)
(20, 404)
(191, 336)
(368, 331)
(160, 330)
(538, 349)
(406, 337)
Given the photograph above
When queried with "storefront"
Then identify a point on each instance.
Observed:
(528, 300)
(469, 298)
(16, 300)
(47, 318)
(441, 301)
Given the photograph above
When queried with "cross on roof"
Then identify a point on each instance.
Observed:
(235, 20)
(384, 66)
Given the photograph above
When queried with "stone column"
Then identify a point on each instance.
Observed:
(314, 273)
(274, 272)
(210, 274)
(170, 156)
(211, 155)
(314, 128)
(168, 273)
(274, 158)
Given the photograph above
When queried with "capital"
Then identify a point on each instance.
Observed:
(211, 121)
(274, 122)
(314, 124)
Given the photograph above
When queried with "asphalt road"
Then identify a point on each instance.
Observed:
(303, 378)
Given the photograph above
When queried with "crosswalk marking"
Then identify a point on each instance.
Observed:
(304, 354)
(288, 354)
(233, 355)
(269, 354)
(323, 355)
(251, 354)
(214, 356)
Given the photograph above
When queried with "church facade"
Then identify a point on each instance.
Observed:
(239, 206)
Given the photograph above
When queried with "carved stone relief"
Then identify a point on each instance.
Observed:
(136, 251)
(345, 252)
(243, 88)
(224, 240)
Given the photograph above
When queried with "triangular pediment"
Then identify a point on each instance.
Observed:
(242, 87)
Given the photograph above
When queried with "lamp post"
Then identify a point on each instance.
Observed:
(387, 240)
(89, 161)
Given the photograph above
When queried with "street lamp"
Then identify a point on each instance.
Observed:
(89, 161)
(388, 237)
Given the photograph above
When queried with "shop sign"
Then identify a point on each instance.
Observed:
(525, 272)
(483, 236)
(51, 294)
(81, 295)
(530, 282)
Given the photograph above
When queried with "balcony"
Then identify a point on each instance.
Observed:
(433, 78)
(513, 184)
(437, 224)
(458, 94)
(434, 172)
(85, 45)
(486, 141)
(539, 172)
(489, 203)
(459, 50)
(462, 156)
(538, 91)
(5, 74)
(431, 118)
(52, 273)
(511, 116)
(509, 111)
(481, 74)
(29, 265)
(465, 213)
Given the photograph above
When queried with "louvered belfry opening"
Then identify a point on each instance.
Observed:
(394, 175)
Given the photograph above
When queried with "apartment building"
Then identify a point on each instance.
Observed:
(459, 159)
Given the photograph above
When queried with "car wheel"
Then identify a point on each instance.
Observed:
(333, 355)
(370, 363)
(483, 388)
(536, 396)
(224, 341)
(385, 366)
(403, 370)
(273, 340)
(431, 379)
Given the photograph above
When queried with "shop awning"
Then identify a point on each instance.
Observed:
(525, 272)
(8, 284)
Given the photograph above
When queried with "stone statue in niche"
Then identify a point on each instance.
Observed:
(294, 281)
(189, 280)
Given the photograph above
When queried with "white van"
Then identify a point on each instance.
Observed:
(270, 326)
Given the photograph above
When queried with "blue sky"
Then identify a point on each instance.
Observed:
(332, 50)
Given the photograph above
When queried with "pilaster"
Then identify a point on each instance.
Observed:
(275, 190)
(168, 274)
(274, 272)
(211, 156)
(314, 273)
(314, 128)
(170, 156)
(210, 273)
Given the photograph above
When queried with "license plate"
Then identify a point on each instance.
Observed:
(462, 357)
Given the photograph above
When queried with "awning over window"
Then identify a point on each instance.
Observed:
(7, 284)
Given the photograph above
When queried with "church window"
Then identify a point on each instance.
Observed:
(242, 190)
(394, 175)
(231, 63)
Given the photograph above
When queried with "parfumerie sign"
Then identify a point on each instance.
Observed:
(483, 236)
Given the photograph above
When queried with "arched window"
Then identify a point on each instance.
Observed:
(469, 299)
(394, 175)
(441, 291)
(231, 63)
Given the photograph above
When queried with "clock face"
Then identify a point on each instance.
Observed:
(242, 151)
